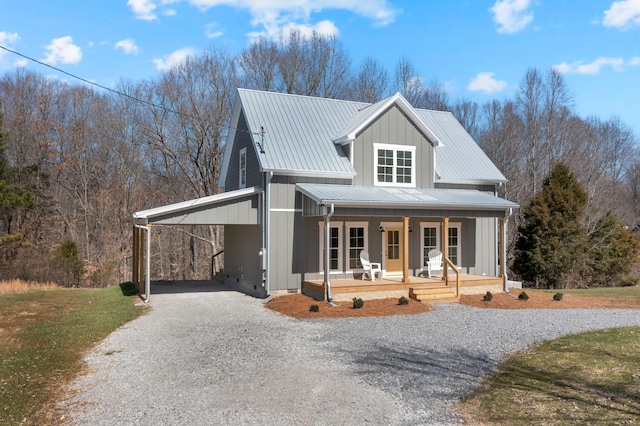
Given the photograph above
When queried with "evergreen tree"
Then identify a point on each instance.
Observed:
(68, 262)
(552, 243)
(12, 197)
(614, 251)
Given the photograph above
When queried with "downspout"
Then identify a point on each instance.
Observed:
(267, 232)
(504, 250)
(147, 279)
(327, 254)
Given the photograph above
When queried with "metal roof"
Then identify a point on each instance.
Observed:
(460, 160)
(145, 215)
(302, 136)
(389, 197)
(365, 117)
(299, 132)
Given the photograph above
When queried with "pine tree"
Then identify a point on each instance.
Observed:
(552, 243)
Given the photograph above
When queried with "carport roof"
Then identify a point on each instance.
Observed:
(148, 216)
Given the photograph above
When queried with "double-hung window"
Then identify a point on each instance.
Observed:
(344, 251)
(395, 165)
(430, 239)
(454, 243)
(357, 241)
(335, 246)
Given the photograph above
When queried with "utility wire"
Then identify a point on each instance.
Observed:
(93, 83)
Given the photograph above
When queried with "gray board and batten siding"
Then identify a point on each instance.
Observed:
(394, 128)
(292, 141)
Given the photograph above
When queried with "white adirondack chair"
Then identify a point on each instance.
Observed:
(435, 262)
(369, 268)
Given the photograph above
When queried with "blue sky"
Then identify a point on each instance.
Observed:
(480, 50)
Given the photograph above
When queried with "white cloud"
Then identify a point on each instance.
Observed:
(622, 14)
(592, 68)
(7, 39)
(143, 9)
(128, 46)
(212, 30)
(173, 59)
(511, 15)
(276, 16)
(325, 28)
(485, 82)
(63, 50)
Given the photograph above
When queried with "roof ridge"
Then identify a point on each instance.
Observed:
(302, 96)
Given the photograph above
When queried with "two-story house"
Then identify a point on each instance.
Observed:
(309, 183)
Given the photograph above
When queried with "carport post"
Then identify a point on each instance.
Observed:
(147, 279)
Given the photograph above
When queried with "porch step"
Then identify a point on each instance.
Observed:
(437, 294)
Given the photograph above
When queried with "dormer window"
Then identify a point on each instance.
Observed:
(394, 165)
(242, 163)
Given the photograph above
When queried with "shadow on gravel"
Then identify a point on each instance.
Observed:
(447, 374)
(195, 286)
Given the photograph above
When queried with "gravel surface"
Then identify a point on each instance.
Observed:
(218, 357)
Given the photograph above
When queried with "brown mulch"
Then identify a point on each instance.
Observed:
(298, 305)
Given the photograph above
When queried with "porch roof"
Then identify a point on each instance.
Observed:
(403, 198)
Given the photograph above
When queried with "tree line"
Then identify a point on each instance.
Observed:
(83, 160)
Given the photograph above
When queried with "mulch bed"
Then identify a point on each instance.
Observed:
(298, 305)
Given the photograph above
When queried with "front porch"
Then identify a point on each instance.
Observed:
(419, 288)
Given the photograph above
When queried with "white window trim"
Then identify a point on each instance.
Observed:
(242, 172)
(395, 149)
(348, 226)
(438, 226)
(321, 257)
(458, 226)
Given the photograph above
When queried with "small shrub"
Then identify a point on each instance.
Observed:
(488, 297)
(523, 296)
(403, 301)
(357, 303)
(557, 296)
(314, 308)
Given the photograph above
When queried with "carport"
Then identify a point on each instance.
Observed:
(240, 211)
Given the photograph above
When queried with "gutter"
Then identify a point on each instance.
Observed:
(147, 279)
(327, 254)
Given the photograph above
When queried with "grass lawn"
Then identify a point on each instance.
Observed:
(624, 292)
(43, 338)
(587, 378)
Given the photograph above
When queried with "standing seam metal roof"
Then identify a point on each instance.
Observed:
(300, 133)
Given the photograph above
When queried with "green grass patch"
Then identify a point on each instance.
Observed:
(587, 378)
(43, 338)
(622, 292)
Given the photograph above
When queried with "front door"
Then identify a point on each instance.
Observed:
(393, 252)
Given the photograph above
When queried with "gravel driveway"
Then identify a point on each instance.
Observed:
(207, 356)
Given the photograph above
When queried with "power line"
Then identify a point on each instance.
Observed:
(93, 83)
(117, 92)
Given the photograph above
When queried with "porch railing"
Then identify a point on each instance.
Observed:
(457, 271)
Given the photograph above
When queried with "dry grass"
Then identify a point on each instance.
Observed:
(20, 286)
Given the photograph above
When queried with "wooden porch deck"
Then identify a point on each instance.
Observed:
(345, 289)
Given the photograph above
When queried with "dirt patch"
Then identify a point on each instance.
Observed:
(298, 305)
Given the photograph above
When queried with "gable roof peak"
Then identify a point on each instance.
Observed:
(369, 114)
